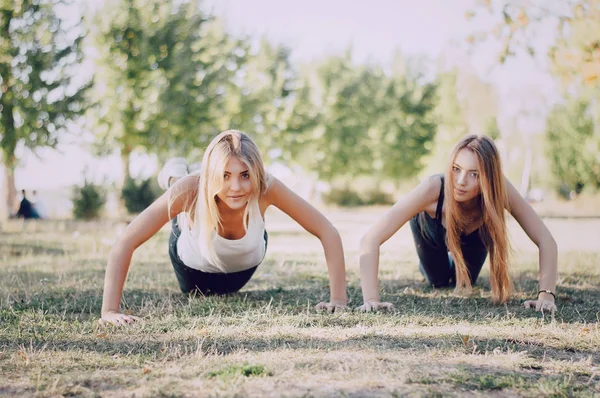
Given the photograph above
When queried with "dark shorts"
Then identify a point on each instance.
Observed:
(207, 283)
(435, 261)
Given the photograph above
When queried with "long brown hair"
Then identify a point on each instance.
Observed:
(492, 200)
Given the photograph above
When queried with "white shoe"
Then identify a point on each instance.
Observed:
(174, 168)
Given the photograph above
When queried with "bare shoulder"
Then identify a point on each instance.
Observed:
(272, 192)
(430, 188)
(429, 191)
(183, 193)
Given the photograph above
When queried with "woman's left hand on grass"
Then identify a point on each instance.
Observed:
(331, 307)
(542, 304)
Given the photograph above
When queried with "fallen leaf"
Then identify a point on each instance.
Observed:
(102, 335)
(146, 370)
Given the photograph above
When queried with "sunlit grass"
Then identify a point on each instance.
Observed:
(267, 340)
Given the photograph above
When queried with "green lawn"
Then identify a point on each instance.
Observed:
(268, 341)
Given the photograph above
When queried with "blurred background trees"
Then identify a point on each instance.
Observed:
(168, 75)
(572, 136)
(40, 94)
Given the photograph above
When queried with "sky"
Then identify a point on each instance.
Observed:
(313, 29)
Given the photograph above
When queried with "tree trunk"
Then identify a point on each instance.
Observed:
(525, 177)
(125, 175)
(3, 203)
(125, 155)
(11, 190)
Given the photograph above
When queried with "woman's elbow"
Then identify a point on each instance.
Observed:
(548, 244)
(368, 244)
(122, 247)
(552, 244)
(329, 233)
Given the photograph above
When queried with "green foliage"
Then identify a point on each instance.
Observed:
(492, 130)
(259, 97)
(88, 201)
(343, 197)
(139, 195)
(351, 120)
(170, 67)
(573, 145)
(465, 104)
(245, 370)
(39, 96)
(347, 197)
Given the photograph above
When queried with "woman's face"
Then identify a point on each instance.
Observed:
(465, 174)
(237, 186)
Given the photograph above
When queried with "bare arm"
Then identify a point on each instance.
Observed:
(142, 228)
(539, 234)
(413, 203)
(317, 224)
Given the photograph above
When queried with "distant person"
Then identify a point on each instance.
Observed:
(456, 220)
(218, 234)
(38, 205)
(26, 209)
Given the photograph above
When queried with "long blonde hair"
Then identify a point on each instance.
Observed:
(493, 200)
(203, 208)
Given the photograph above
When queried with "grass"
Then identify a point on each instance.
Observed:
(267, 340)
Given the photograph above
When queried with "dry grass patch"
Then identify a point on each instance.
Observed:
(267, 341)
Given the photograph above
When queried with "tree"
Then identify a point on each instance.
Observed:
(573, 142)
(357, 120)
(464, 104)
(574, 56)
(406, 122)
(335, 144)
(574, 61)
(260, 94)
(166, 69)
(39, 94)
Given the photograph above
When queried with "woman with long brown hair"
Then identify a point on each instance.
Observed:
(457, 219)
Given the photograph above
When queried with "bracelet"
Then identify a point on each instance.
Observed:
(547, 291)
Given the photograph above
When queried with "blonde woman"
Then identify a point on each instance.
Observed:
(219, 236)
(457, 219)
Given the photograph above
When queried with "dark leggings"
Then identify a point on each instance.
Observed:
(207, 283)
(436, 263)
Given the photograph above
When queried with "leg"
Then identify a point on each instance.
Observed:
(433, 254)
(475, 253)
(193, 280)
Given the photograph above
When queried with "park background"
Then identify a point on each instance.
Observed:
(352, 104)
(342, 98)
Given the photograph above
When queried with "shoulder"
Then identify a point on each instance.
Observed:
(183, 193)
(430, 187)
(273, 189)
(186, 185)
(427, 194)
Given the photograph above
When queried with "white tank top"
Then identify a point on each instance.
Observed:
(236, 255)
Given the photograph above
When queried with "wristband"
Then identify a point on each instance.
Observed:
(547, 291)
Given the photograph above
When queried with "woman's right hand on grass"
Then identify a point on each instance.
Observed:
(375, 306)
(117, 319)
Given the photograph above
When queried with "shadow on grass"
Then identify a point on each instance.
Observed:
(575, 303)
(59, 294)
(155, 346)
(33, 248)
